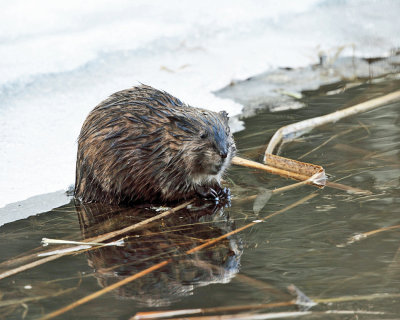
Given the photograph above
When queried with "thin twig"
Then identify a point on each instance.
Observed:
(171, 313)
(364, 235)
(280, 315)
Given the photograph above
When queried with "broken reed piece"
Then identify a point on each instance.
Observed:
(364, 235)
(299, 128)
(289, 168)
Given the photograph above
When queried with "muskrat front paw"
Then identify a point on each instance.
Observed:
(225, 193)
(216, 194)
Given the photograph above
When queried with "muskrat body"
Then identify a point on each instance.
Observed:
(142, 144)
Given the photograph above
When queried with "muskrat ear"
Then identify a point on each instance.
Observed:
(182, 123)
(224, 115)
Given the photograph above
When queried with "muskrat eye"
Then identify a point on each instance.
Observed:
(203, 135)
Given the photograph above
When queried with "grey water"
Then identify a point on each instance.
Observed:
(307, 246)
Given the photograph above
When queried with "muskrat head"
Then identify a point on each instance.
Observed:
(210, 150)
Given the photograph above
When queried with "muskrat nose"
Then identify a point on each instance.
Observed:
(223, 154)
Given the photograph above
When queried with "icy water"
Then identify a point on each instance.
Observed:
(307, 246)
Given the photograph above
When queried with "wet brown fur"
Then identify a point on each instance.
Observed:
(142, 144)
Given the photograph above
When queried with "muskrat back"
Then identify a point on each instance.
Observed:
(142, 144)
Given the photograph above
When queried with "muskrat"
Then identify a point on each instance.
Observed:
(143, 144)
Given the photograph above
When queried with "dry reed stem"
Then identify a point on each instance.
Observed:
(297, 129)
(364, 235)
(281, 315)
(100, 238)
(166, 262)
(170, 313)
(301, 174)
(284, 167)
(368, 297)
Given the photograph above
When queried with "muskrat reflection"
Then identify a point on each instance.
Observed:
(159, 241)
